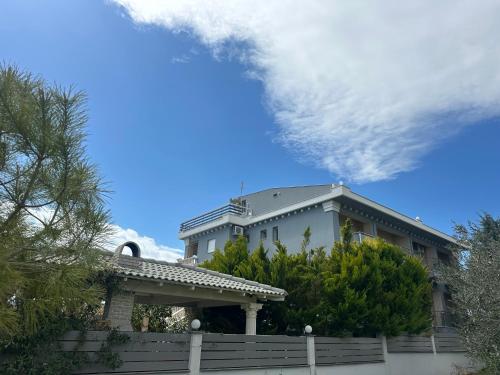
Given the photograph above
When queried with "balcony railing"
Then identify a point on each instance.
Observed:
(435, 266)
(230, 209)
(443, 319)
(361, 236)
(191, 261)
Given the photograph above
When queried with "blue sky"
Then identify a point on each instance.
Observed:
(181, 113)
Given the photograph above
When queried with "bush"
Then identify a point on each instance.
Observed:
(357, 289)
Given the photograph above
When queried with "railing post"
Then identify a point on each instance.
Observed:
(195, 348)
(311, 351)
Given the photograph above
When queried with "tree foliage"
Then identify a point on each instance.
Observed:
(474, 285)
(358, 289)
(157, 316)
(52, 215)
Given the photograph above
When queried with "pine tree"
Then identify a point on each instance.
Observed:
(52, 214)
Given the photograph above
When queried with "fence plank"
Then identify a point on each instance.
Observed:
(222, 338)
(252, 362)
(147, 356)
(137, 367)
(254, 354)
(134, 336)
(350, 360)
(342, 351)
(347, 340)
(213, 346)
(345, 350)
(448, 342)
(94, 346)
(409, 344)
(347, 346)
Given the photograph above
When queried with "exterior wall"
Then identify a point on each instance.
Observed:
(396, 364)
(417, 364)
(273, 199)
(291, 229)
(221, 236)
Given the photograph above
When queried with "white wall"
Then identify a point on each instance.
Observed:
(419, 363)
(396, 364)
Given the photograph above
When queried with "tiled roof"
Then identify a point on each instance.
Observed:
(178, 273)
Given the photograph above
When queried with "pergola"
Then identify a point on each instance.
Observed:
(149, 281)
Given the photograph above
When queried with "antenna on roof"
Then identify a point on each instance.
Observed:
(418, 219)
(241, 187)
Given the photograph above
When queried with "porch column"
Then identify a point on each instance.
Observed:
(119, 310)
(251, 317)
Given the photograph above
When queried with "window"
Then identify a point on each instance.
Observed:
(211, 245)
(263, 234)
(418, 249)
(275, 234)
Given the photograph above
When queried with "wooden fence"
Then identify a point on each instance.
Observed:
(410, 344)
(448, 342)
(336, 351)
(440, 342)
(144, 351)
(220, 351)
(160, 352)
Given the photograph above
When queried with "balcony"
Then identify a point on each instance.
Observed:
(208, 217)
(361, 236)
(435, 266)
(191, 261)
(443, 319)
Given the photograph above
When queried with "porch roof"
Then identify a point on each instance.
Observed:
(188, 275)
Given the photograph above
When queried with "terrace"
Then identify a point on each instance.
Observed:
(214, 215)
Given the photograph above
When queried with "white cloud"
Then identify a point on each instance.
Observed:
(149, 247)
(183, 59)
(361, 88)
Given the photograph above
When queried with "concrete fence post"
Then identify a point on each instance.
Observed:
(311, 351)
(433, 345)
(195, 348)
(386, 355)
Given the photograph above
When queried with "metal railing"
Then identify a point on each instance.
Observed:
(435, 266)
(361, 236)
(191, 261)
(443, 319)
(229, 209)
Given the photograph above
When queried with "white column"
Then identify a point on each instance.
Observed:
(251, 317)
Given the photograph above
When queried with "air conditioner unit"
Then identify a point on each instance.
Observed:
(237, 230)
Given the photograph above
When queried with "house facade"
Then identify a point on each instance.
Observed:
(284, 214)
